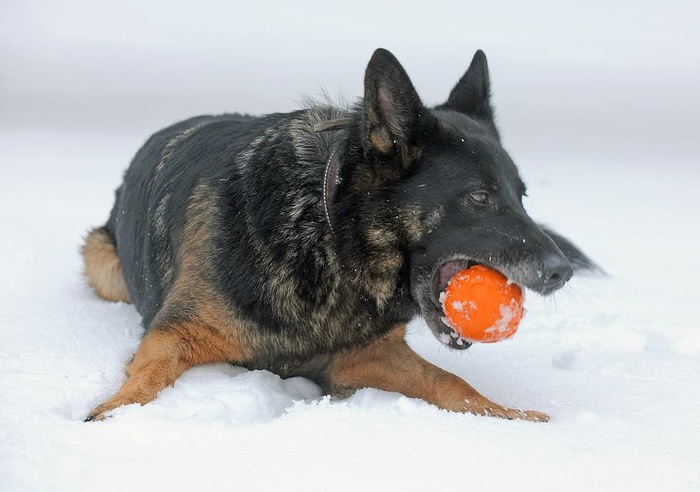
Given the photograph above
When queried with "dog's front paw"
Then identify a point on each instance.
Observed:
(482, 406)
(104, 411)
(98, 414)
(516, 414)
(531, 415)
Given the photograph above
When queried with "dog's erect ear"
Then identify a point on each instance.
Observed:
(391, 105)
(471, 95)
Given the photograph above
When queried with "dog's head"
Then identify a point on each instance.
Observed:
(447, 165)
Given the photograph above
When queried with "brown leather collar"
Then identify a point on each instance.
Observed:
(331, 180)
(331, 125)
(331, 176)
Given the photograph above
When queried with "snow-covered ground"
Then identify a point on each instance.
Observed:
(600, 112)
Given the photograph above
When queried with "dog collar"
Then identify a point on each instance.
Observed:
(331, 180)
(331, 176)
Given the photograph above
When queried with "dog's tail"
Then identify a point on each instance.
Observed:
(578, 259)
(102, 268)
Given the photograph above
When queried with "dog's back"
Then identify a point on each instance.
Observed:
(150, 206)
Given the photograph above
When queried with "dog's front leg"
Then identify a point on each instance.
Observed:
(390, 364)
(166, 351)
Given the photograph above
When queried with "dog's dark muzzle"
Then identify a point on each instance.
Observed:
(535, 263)
(556, 271)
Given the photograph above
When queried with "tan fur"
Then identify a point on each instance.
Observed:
(390, 364)
(381, 141)
(216, 331)
(411, 217)
(164, 354)
(195, 325)
(102, 269)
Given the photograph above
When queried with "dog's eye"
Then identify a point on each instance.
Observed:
(480, 196)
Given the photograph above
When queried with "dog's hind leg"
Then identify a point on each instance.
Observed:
(102, 268)
(391, 365)
(166, 351)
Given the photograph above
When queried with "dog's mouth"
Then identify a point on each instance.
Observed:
(444, 273)
(435, 314)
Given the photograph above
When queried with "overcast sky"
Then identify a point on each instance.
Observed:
(556, 66)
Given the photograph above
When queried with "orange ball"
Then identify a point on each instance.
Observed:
(481, 306)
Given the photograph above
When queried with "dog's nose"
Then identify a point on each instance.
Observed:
(556, 271)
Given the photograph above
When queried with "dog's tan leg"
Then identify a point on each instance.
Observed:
(391, 365)
(165, 353)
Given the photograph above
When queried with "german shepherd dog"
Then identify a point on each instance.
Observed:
(302, 243)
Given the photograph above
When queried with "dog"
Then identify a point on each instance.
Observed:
(302, 243)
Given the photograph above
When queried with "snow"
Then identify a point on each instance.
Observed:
(502, 325)
(600, 114)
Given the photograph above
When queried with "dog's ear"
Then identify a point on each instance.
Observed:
(391, 105)
(471, 95)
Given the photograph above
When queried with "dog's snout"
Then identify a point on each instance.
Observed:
(556, 271)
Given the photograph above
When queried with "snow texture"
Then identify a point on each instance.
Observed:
(598, 103)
